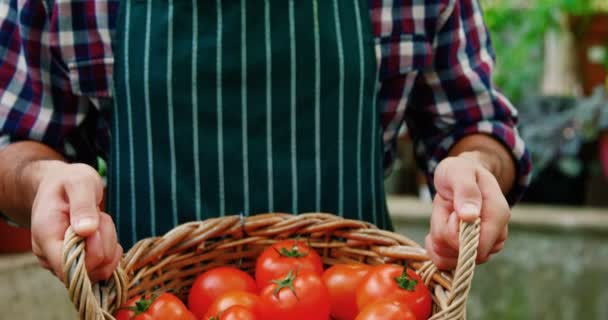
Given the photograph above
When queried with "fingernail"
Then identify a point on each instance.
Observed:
(85, 223)
(469, 209)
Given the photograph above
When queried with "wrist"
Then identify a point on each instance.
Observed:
(486, 160)
(31, 174)
(22, 167)
(490, 155)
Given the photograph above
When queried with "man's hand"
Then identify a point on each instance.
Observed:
(470, 184)
(70, 194)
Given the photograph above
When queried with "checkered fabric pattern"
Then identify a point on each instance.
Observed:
(435, 63)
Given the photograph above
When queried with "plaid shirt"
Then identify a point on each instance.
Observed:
(435, 60)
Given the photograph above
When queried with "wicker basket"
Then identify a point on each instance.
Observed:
(170, 263)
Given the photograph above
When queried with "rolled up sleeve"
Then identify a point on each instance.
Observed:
(37, 100)
(456, 97)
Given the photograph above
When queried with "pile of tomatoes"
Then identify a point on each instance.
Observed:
(290, 283)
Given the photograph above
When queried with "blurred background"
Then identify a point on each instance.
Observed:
(552, 62)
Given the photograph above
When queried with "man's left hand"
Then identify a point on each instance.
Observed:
(466, 190)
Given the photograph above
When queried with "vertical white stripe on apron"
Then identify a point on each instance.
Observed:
(374, 152)
(116, 164)
(269, 104)
(340, 111)
(244, 105)
(130, 123)
(170, 114)
(294, 155)
(197, 168)
(360, 115)
(220, 126)
(148, 120)
(315, 8)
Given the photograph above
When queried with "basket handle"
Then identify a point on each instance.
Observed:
(93, 302)
(463, 275)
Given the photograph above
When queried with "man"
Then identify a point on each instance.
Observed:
(207, 108)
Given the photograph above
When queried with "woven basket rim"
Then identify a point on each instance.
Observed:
(175, 258)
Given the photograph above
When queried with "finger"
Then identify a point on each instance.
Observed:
(483, 260)
(102, 249)
(84, 192)
(48, 226)
(452, 231)
(44, 263)
(497, 247)
(500, 242)
(95, 252)
(53, 258)
(458, 177)
(441, 249)
(504, 234)
(105, 272)
(37, 251)
(440, 223)
(495, 215)
(107, 230)
(439, 217)
(442, 263)
(467, 197)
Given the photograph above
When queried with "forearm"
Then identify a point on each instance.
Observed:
(491, 154)
(20, 173)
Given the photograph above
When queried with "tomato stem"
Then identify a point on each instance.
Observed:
(405, 282)
(142, 305)
(287, 282)
(293, 253)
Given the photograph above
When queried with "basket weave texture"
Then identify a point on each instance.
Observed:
(171, 262)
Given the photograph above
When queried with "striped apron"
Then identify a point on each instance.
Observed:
(243, 107)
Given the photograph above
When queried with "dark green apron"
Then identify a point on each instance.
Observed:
(243, 107)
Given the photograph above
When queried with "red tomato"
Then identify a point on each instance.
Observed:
(276, 261)
(342, 281)
(164, 306)
(234, 298)
(390, 281)
(386, 309)
(215, 282)
(298, 296)
(239, 313)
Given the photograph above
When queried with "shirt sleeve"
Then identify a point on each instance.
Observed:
(455, 97)
(37, 101)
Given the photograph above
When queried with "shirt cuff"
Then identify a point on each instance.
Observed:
(503, 133)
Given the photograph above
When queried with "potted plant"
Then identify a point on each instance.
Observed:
(588, 21)
(562, 135)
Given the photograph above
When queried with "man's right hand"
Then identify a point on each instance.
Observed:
(70, 194)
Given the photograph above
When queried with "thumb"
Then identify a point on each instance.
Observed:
(456, 178)
(84, 196)
(467, 196)
(84, 218)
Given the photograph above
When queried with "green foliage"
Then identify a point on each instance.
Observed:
(518, 29)
(577, 7)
